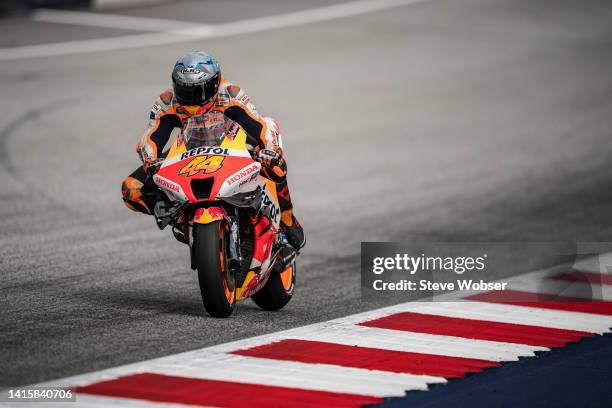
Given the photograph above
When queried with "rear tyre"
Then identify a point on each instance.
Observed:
(217, 285)
(277, 292)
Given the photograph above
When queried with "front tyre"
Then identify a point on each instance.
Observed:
(278, 290)
(217, 285)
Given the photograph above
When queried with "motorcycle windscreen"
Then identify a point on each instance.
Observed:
(209, 129)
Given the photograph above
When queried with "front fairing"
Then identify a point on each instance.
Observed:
(209, 172)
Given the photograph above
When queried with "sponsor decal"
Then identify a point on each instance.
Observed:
(274, 209)
(253, 177)
(245, 99)
(244, 176)
(274, 137)
(147, 152)
(252, 108)
(223, 99)
(210, 214)
(199, 151)
(167, 184)
(155, 110)
(202, 164)
(190, 70)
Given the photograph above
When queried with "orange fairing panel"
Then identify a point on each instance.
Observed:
(208, 215)
(287, 278)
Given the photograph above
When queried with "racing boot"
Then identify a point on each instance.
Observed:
(289, 224)
(136, 194)
(292, 229)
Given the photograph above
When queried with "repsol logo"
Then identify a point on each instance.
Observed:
(243, 173)
(204, 150)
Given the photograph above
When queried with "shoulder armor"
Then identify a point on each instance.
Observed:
(233, 90)
(166, 97)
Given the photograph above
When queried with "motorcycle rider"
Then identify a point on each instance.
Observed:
(199, 88)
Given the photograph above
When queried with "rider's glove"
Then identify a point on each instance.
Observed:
(152, 166)
(274, 166)
(269, 158)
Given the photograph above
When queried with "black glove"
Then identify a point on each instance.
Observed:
(273, 165)
(268, 158)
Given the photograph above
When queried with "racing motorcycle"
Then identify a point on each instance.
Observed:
(221, 205)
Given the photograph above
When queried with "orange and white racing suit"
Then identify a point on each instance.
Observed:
(167, 115)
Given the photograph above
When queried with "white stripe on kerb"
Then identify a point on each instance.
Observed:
(513, 314)
(321, 377)
(352, 335)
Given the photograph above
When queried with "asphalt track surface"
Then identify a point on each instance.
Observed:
(443, 120)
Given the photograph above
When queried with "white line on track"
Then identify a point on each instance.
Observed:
(109, 20)
(99, 5)
(187, 31)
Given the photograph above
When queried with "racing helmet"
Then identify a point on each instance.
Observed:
(195, 79)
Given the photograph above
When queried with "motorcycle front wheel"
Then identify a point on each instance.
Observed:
(217, 284)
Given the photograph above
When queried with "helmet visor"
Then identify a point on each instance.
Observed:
(196, 94)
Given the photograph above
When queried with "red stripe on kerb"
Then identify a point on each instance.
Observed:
(477, 329)
(317, 352)
(588, 277)
(544, 301)
(194, 391)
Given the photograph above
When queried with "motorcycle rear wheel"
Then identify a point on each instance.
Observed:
(278, 290)
(217, 284)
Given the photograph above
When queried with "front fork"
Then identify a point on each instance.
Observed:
(212, 214)
(235, 256)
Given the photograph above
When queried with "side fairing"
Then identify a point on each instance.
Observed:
(170, 187)
(244, 180)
